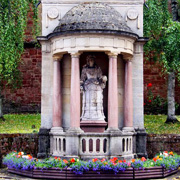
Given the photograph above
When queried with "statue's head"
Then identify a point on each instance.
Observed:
(90, 60)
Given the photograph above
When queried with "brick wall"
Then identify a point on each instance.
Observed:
(28, 97)
(153, 74)
(18, 142)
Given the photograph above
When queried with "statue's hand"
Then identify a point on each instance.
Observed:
(104, 78)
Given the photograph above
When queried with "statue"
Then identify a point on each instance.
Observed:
(92, 84)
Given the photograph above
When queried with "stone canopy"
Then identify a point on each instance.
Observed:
(92, 16)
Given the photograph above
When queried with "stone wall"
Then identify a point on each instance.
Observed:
(18, 142)
(160, 142)
(29, 144)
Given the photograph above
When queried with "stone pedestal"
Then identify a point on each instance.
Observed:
(141, 142)
(44, 143)
(93, 126)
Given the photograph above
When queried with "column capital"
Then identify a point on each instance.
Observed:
(127, 57)
(112, 54)
(75, 54)
(57, 57)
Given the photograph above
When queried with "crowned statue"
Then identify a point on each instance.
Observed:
(92, 84)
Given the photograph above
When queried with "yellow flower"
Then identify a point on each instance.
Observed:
(171, 153)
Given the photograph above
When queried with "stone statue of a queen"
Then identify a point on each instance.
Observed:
(92, 84)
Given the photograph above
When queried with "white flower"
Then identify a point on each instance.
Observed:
(165, 154)
(25, 157)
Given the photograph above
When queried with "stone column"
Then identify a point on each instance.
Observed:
(72, 135)
(112, 93)
(128, 95)
(75, 93)
(57, 96)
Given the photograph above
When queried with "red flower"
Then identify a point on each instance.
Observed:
(124, 160)
(150, 100)
(143, 159)
(149, 85)
(55, 157)
(154, 159)
(144, 104)
(29, 156)
(115, 159)
(95, 159)
(65, 161)
(102, 160)
(72, 160)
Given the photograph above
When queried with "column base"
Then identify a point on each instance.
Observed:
(56, 130)
(75, 130)
(113, 130)
(93, 126)
(128, 129)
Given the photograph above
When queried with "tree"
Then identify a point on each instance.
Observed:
(163, 45)
(13, 20)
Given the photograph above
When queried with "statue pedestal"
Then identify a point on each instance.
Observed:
(93, 126)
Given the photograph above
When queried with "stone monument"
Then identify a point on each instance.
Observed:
(71, 31)
(92, 84)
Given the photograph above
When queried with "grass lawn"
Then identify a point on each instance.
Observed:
(20, 123)
(30, 123)
(155, 124)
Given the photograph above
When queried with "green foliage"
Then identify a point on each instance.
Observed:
(49, 163)
(20, 123)
(13, 20)
(164, 35)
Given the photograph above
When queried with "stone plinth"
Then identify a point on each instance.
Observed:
(93, 126)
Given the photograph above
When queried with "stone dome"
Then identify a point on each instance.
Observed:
(92, 16)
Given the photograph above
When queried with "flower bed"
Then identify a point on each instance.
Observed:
(162, 165)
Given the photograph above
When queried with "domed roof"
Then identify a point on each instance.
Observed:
(92, 16)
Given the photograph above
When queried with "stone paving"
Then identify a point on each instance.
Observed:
(4, 175)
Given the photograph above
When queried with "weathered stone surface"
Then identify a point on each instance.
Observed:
(92, 16)
(44, 143)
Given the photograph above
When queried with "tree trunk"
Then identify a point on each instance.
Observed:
(171, 99)
(1, 107)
